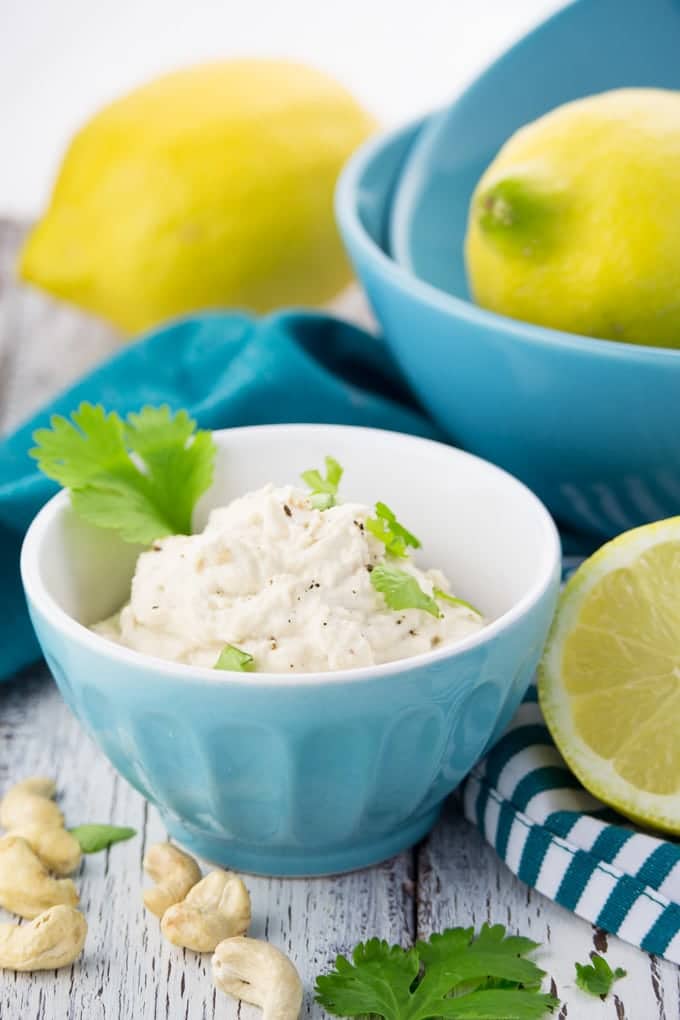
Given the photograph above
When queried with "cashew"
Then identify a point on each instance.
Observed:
(31, 801)
(260, 974)
(28, 810)
(174, 873)
(57, 849)
(26, 887)
(54, 939)
(215, 909)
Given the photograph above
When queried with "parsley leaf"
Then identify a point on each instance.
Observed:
(597, 978)
(141, 477)
(385, 527)
(93, 838)
(401, 590)
(324, 490)
(233, 659)
(439, 593)
(453, 975)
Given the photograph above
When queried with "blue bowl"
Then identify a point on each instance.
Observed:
(591, 426)
(589, 46)
(308, 773)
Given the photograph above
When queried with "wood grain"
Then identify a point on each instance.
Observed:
(44, 344)
(127, 971)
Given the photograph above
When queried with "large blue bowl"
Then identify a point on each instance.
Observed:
(589, 46)
(308, 773)
(592, 426)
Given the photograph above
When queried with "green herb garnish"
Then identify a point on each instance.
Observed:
(453, 975)
(597, 977)
(140, 477)
(233, 659)
(93, 838)
(453, 601)
(322, 500)
(385, 527)
(324, 490)
(401, 590)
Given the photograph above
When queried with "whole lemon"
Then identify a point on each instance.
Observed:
(576, 223)
(211, 186)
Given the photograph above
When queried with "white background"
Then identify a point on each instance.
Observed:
(61, 59)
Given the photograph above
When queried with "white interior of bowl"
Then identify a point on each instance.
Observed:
(490, 535)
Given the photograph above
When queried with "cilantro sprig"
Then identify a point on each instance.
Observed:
(140, 477)
(324, 490)
(401, 590)
(597, 977)
(395, 537)
(454, 975)
(235, 660)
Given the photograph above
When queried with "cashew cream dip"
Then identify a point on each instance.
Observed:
(285, 582)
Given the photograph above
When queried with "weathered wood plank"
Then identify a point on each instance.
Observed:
(461, 881)
(44, 344)
(127, 969)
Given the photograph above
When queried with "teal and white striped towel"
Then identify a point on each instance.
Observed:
(557, 838)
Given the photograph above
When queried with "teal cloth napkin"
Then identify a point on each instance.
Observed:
(226, 370)
(559, 839)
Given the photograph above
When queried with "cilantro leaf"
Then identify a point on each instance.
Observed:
(491, 953)
(597, 977)
(385, 527)
(453, 975)
(322, 500)
(324, 490)
(401, 590)
(74, 452)
(141, 478)
(499, 1004)
(439, 593)
(93, 838)
(179, 460)
(124, 505)
(378, 981)
(233, 659)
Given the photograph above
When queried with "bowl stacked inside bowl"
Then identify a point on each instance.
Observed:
(591, 426)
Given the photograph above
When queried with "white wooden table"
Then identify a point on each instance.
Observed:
(127, 970)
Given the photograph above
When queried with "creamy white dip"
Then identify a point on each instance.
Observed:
(287, 583)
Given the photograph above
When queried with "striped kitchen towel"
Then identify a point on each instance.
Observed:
(557, 838)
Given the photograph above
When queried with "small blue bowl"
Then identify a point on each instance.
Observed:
(308, 773)
(591, 426)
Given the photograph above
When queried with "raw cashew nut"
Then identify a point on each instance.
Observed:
(53, 940)
(26, 887)
(216, 908)
(31, 801)
(174, 873)
(57, 849)
(28, 810)
(260, 974)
